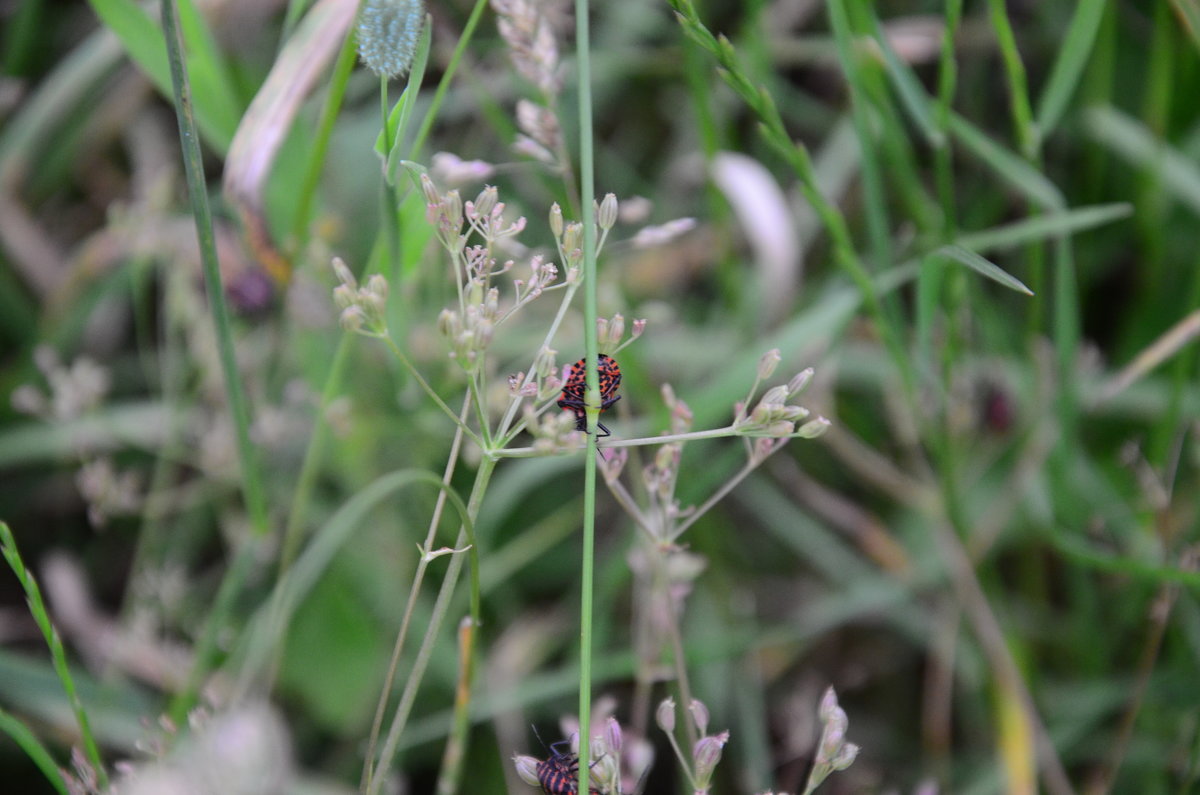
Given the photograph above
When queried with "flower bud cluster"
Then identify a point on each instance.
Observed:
(706, 753)
(542, 275)
(553, 432)
(610, 333)
(363, 309)
(774, 415)
(445, 215)
(543, 383)
(833, 752)
(486, 217)
(469, 333)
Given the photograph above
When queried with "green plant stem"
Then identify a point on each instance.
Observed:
(252, 481)
(409, 605)
(58, 655)
(429, 390)
(587, 201)
(437, 616)
(690, 436)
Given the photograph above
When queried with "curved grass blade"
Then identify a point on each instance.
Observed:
(982, 266)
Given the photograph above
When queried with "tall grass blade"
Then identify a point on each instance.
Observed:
(1068, 66)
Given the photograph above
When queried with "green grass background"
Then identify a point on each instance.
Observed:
(981, 437)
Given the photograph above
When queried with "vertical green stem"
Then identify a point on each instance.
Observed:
(252, 483)
(189, 139)
(587, 200)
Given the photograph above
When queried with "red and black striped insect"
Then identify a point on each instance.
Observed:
(575, 390)
(559, 775)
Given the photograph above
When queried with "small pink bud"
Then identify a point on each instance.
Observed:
(378, 284)
(707, 754)
(612, 735)
(767, 364)
(799, 381)
(343, 273)
(353, 318)
(845, 757)
(639, 325)
(430, 191)
(485, 202)
(664, 716)
(699, 715)
(828, 704)
(343, 296)
(775, 396)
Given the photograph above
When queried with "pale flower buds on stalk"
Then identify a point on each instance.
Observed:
(833, 752)
(364, 309)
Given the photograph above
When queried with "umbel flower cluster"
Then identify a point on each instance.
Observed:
(490, 290)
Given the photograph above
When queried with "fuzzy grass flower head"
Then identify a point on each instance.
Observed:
(363, 309)
(388, 33)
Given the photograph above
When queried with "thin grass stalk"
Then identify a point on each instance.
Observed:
(587, 181)
(391, 744)
(41, 616)
(1027, 139)
(1014, 68)
(252, 482)
(410, 604)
